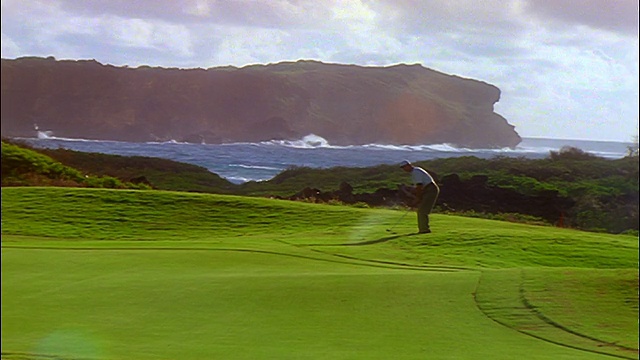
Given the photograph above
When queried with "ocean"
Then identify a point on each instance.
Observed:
(242, 162)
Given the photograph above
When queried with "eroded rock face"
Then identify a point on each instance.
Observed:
(345, 104)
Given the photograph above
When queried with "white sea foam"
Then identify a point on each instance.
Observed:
(441, 148)
(243, 179)
(254, 167)
(48, 135)
(311, 141)
(45, 134)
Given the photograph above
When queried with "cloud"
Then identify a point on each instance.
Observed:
(9, 46)
(619, 16)
(247, 45)
(247, 13)
(144, 34)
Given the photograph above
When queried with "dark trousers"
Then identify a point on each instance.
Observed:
(429, 197)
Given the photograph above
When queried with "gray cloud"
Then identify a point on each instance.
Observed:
(258, 13)
(618, 16)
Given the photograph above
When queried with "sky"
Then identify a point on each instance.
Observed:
(567, 69)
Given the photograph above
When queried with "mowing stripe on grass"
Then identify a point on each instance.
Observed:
(500, 295)
(355, 261)
(245, 305)
(613, 291)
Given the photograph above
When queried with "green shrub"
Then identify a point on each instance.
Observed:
(571, 153)
(19, 163)
(522, 184)
(22, 166)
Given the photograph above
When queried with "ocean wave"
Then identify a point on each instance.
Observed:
(444, 147)
(255, 167)
(311, 141)
(243, 179)
(48, 135)
(170, 142)
(530, 147)
(45, 134)
(437, 148)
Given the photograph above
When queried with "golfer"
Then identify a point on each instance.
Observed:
(426, 194)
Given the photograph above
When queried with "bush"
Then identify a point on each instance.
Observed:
(23, 166)
(523, 184)
(570, 153)
(19, 163)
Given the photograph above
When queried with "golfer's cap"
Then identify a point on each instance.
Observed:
(405, 163)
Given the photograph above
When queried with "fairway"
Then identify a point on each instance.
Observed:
(104, 274)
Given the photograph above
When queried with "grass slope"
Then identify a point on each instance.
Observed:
(604, 193)
(161, 173)
(119, 274)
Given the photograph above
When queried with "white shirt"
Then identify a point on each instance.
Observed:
(420, 176)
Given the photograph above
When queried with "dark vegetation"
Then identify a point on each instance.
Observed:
(569, 188)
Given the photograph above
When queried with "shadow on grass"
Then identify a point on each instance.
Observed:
(367, 242)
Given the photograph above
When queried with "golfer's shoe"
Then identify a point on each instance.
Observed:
(424, 232)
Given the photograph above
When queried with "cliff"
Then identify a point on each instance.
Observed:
(345, 104)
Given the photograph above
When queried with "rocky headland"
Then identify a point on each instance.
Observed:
(345, 104)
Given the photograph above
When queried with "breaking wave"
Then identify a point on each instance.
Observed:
(310, 141)
(255, 167)
(313, 141)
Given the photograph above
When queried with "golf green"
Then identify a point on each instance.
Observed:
(159, 304)
(103, 274)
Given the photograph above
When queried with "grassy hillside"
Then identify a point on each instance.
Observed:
(156, 172)
(604, 192)
(26, 167)
(122, 274)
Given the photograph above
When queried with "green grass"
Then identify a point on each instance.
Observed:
(122, 274)
(25, 167)
(559, 306)
(595, 194)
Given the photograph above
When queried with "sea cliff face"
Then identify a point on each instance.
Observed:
(345, 104)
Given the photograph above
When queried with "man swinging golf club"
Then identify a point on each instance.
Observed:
(426, 194)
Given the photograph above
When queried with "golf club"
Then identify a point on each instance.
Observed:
(399, 220)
